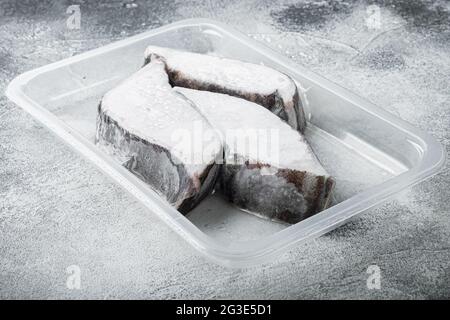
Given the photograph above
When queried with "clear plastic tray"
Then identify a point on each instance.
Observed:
(372, 153)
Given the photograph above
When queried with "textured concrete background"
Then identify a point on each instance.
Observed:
(56, 210)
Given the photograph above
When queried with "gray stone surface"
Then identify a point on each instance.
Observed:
(57, 210)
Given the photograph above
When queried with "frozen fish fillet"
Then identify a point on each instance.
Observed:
(257, 83)
(281, 178)
(150, 128)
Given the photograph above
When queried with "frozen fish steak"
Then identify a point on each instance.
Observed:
(257, 83)
(150, 128)
(281, 179)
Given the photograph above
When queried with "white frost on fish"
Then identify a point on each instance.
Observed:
(142, 120)
(257, 83)
(285, 182)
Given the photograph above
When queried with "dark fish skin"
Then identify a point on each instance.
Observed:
(147, 162)
(281, 196)
(288, 195)
(288, 191)
(208, 181)
(273, 101)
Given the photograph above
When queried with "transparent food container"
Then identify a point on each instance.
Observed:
(371, 153)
